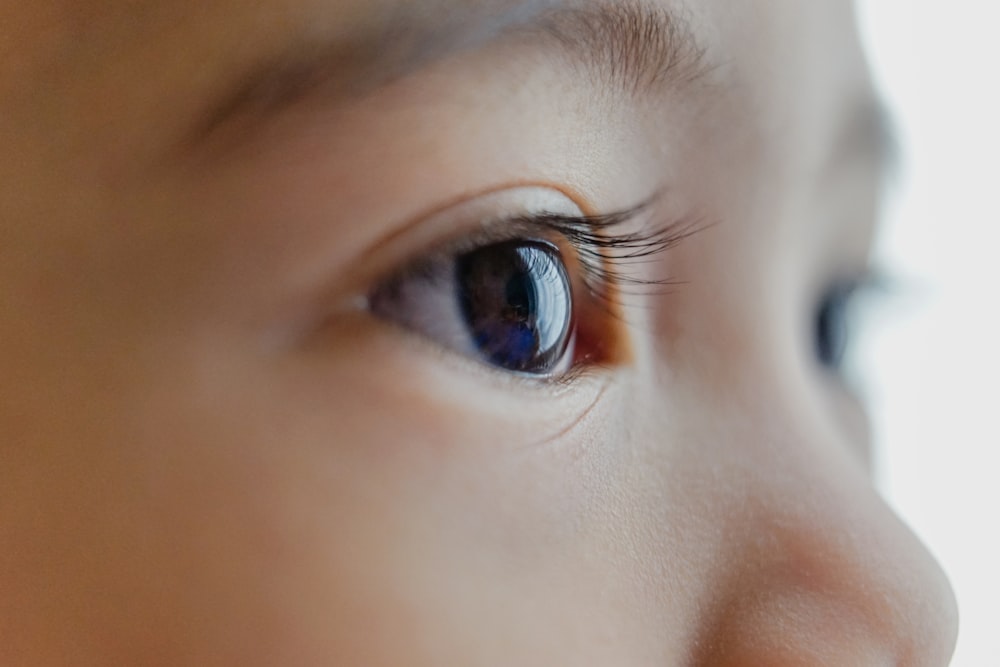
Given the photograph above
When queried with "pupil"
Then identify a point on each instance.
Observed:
(516, 300)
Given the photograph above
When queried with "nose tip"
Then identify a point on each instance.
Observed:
(835, 579)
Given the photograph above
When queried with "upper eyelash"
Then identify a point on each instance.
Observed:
(606, 250)
(605, 253)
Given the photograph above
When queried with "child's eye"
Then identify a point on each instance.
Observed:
(531, 293)
(509, 304)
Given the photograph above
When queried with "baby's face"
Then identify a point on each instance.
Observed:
(484, 332)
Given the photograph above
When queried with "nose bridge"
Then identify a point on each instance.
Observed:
(822, 572)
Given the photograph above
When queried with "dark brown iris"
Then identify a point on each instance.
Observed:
(517, 302)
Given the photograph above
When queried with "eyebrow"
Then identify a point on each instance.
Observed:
(629, 47)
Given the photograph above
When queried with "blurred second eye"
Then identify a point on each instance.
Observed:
(833, 325)
(508, 304)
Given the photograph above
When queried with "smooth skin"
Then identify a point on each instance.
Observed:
(211, 454)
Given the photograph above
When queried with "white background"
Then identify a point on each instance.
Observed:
(935, 359)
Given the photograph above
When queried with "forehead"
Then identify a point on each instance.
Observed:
(45, 30)
(154, 66)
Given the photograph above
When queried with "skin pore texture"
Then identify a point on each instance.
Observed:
(211, 451)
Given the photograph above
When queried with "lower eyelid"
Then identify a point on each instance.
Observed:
(412, 378)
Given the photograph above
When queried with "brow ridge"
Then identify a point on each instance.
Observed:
(629, 46)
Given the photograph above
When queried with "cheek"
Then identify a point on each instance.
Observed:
(299, 508)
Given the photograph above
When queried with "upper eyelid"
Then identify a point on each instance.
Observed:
(585, 234)
(612, 247)
(487, 233)
(606, 246)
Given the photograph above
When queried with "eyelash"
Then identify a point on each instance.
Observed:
(607, 256)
